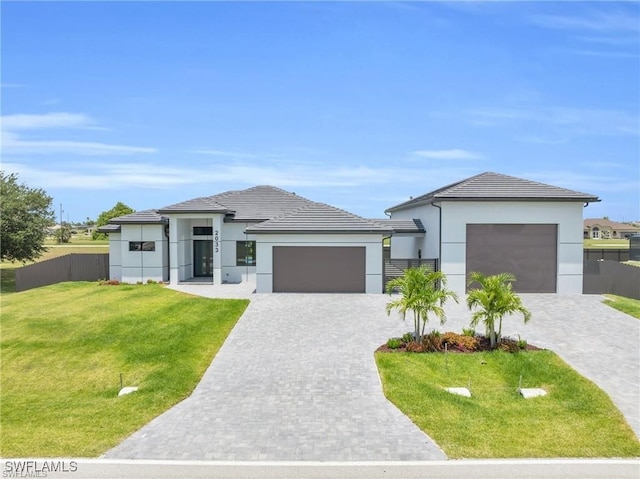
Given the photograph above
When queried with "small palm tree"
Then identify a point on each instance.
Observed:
(423, 292)
(494, 300)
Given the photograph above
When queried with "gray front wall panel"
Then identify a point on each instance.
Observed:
(319, 269)
(528, 251)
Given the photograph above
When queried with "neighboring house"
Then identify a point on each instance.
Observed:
(495, 223)
(286, 243)
(601, 228)
(283, 242)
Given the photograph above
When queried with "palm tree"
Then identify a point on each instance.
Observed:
(494, 300)
(423, 292)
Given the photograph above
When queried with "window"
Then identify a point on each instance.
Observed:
(142, 245)
(245, 253)
(202, 230)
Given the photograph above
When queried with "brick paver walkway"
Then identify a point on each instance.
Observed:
(296, 380)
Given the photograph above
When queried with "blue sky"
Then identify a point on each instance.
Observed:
(357, 104)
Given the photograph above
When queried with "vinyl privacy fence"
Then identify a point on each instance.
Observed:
(71, 267)
(611, 277)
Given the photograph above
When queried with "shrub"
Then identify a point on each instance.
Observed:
(432, 341)
(522, 343)
(151, 281)
(471, 332)
(109, 282)
(508, 345)
(407, 338)
(460, 341)
(415, 347)
(394, 343)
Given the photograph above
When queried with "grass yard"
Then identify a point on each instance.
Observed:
(64, 346)
(606, 243)
(575, 419)
(626, 305)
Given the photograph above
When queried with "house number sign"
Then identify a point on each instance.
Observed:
(216, 241)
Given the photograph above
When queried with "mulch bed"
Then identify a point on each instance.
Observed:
(506, 344)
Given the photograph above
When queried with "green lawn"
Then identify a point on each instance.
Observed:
(626, 305)
(64, 346)
(606, 243)
(575, 419)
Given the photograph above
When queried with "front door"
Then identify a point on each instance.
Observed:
(202, 258)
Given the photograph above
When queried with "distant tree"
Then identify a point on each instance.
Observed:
(89, 222)
(25, 216)
(119, 209)
(63, 234)
(605, 217)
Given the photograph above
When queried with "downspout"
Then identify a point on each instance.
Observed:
(166, 233)
(384, 238)
(141, 255)
(438, 268)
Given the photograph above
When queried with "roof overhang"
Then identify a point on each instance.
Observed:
(380, 232)
(109, 228)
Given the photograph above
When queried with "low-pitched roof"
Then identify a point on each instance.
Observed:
(140, 217)
(259, 203)
(590, 222)
(319, 218)
(491, 186)
(109, 228)
(403, 226)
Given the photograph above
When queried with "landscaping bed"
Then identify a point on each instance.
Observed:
(451, 342)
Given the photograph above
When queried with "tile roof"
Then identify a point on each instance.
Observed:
(253, 204)
(140, 217)
(109, 228)
(319, 218)
(590, 222)
(403, 226)
(491, 186)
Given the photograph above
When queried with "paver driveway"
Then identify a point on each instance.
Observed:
(296, 379)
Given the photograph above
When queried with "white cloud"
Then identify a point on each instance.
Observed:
(113, 176)
(563, 119)
(454, 154)
(14, 144)
(597, 21)
(226, 154)
(47, 120)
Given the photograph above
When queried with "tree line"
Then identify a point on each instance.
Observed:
(27, 217)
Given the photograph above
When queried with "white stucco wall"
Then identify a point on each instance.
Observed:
(140, 266)
(115, 256)
(224, 259)
(456, 216)
(266, 242)
(567, 215)
(231, 273)
(407, 247)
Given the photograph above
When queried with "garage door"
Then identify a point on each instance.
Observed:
(527, 251)
(318, 269)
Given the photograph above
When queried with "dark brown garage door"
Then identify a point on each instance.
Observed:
(318, 269)
(527, 251)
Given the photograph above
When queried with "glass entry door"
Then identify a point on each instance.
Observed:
(202, 258)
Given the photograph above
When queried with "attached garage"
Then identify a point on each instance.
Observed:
(528, 251)
(319, 269)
